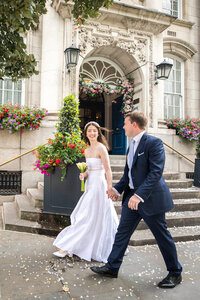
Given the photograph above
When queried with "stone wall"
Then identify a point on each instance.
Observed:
(174, 162)
(12, 145)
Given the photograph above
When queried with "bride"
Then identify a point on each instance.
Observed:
(94, 220)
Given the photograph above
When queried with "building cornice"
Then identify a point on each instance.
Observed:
(183, 23)
(130, 16)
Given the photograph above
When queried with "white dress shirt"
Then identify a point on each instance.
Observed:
(137, 139)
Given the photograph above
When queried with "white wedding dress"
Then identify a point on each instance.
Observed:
(94, 220)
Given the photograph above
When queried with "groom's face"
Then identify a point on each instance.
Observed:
(130, 128)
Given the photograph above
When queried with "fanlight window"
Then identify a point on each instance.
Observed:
(100, 70)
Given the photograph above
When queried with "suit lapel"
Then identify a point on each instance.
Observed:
(139, 148)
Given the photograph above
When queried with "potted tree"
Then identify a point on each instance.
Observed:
(197, 164)
(57, 161)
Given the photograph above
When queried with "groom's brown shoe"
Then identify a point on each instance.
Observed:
(170, 282)
(105, 271)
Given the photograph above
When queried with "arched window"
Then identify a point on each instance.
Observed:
(173, 91)
(102, 70)
(11, 92)
(173, 7)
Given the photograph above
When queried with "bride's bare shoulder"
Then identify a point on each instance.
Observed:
(102, 147)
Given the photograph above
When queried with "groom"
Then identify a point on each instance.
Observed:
(146, 196)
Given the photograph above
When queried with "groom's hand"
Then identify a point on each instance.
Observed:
(111, 194)
(133, 202)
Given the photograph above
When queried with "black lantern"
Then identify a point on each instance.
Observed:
(163, 70)
(71, 56)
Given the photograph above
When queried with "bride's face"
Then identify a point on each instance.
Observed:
(92, 133)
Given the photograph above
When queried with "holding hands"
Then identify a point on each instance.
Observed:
(112, 194)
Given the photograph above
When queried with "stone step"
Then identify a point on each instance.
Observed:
(186, 204)
(26, 210)
(117, 168)
(180, 183)
(185, 193)
(36, 196)
(186, 183)
(139, 238)
(179, 234)
(171, 175)
(6, 198)
(116, 158)
(179, 205)
(11, 221)
(117, 174)
(40, 185)
(177, 219)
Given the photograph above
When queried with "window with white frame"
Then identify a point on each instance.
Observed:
(173, 91)
(172, 7)
(11, 92)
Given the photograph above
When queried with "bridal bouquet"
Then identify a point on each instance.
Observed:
(82, 167)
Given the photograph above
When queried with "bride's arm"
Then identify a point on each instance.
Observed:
(85, 174)
(106, 162)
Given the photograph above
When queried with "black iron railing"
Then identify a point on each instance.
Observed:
(10, 182)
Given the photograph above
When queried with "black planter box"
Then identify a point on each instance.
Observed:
(197, 172)
(61, 197)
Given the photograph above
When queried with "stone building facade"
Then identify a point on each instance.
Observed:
(127, 40)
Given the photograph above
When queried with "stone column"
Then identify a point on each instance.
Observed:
(52, 60)
(158, 91)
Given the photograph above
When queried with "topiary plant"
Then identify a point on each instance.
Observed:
(69, 116)
(67, 147)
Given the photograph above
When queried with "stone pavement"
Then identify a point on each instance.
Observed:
(29, 271)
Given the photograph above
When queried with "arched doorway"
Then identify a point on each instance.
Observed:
(96, 71)
(103, 107)
(91, 108)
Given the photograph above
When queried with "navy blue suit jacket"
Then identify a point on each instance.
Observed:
(146, 171)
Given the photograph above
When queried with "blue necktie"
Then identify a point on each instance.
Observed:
(130, 162)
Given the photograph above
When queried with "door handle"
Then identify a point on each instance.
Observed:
(117, 128)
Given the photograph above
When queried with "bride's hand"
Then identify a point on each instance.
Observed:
(81, 176)
(111, 194)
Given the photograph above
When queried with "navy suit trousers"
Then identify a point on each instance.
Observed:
(157, 224)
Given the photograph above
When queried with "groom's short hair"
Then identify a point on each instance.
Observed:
(138, 117)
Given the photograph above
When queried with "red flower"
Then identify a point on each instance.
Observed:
(82, 151)
(57, 160)
(71, 146)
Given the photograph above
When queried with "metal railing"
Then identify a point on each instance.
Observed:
(181, 154)
(27, 152)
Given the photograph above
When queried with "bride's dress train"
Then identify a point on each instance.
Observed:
(94, 220)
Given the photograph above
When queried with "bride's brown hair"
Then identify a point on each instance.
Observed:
(101, 138)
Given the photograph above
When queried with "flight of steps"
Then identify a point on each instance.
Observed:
(25, 212)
